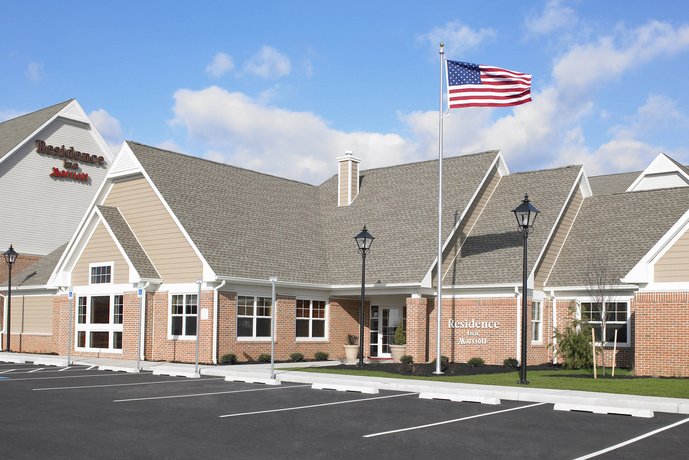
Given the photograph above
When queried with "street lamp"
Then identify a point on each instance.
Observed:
(364, 241)
(526, 216)
(10, 258)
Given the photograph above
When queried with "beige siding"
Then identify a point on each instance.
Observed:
(354, 185)
(558, 240)
(100, 248)
(157, 232)
(344, 184)
(32, 314)
(674, 265)
(451, 255)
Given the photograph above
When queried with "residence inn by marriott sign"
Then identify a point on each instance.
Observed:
(156, 258)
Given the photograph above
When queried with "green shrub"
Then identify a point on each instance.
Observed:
(296, 357)
(476, 362)
(444, 363)
(574, 346)
(321, 356)
(510, 362)
(400, 338)
(352, 340)
(406, 359)
(264, 358)
(229, 358)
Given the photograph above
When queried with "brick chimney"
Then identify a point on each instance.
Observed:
(347, 179)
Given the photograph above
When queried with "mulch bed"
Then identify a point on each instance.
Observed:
(450, 369)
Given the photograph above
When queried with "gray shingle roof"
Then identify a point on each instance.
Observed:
(398, 204)
(493, 251)
(253, 225)
(15, 130)
(38, 273)
(123, 233)
(608, 184)
(622, 227)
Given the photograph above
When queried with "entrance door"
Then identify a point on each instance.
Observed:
(384, 321)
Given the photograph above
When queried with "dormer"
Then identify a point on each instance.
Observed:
(347, 178)
(663, 172)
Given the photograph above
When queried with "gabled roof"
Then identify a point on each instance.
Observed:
(38, 273)
(621, 227)
(133, 250)
(493, 251)
(608, 184)
(14, 131)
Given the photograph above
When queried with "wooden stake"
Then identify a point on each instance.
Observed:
(614, 354)
(593, 345)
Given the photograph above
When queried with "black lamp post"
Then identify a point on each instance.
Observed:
(364, 241)
(526, 216)
(10, 258)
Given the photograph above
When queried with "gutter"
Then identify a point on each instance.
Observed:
(215, 320)
(553, 304)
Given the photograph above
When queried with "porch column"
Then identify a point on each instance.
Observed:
(417, 326)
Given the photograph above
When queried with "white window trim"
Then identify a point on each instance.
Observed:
(87, 327)
(182, 337)
(326, 337)
(110, 264)
(252, 338)
(626, 300)
(540, 323)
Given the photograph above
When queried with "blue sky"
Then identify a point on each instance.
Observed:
(286, 87)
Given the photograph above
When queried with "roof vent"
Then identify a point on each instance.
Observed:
(347, 178)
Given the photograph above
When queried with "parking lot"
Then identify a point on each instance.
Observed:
(79, 411)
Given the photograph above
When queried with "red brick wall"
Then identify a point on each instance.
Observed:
(417, 325)
(661, 333)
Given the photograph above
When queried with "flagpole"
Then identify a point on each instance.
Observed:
(440, 216)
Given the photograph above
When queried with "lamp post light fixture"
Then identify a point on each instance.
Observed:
(526, 214)
(363, 240)
(10, 258)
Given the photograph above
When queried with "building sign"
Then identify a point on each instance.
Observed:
(473, 329)
(71, 159)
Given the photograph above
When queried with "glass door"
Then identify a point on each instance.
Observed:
(384, 321)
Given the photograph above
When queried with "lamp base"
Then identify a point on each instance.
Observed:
(523, 382)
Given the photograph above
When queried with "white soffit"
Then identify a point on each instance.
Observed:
(663, 172)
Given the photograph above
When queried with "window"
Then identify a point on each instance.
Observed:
(99, 322)
(101, 274)
(536, 322)
(616, 315)
(183, 315)
(253, 316)
(310, 319)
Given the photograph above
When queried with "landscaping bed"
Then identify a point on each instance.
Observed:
(427, 370)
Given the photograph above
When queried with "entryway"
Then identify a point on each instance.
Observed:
(384, 321)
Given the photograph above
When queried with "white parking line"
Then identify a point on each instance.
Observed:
(63, 377)
(64, 369)
(89, 368)
(316, 405)
(419, 427)
(7, 370)
(210, 394)
(125, 384)
(633, 440)
(32, 371)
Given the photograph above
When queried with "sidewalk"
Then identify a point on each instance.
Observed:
(566, 399)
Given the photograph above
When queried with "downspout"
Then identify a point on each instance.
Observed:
(142, 322)
(216, 301)
(4, 318)
(517, 323)
(553, 303)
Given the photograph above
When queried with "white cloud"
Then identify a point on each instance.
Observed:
(609, 57)
(34, 71)
(109, 127)
(221, 64)
(171, 145)
(458, 38)
(238, 130)
(554, 17)
(268, 63)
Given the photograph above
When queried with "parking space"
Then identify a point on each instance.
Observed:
(79, 411)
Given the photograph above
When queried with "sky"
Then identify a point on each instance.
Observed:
(286, 87)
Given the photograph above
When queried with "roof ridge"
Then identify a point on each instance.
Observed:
(63, 103)
(546, 169)
(227, 165)
(414, 163)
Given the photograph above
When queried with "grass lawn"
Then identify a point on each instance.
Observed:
(559, 379)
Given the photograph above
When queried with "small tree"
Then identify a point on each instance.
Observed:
(599, 281)
(400, 337)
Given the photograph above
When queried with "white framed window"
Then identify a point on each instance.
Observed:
(100, 273)
(183, 315)
(616, 315)
(99, 323)
(253, 317)
(536, 322)
(311, 319)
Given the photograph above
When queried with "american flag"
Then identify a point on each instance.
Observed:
(474, 85)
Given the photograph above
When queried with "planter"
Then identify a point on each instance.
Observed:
(397, 351)
(351, 353)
